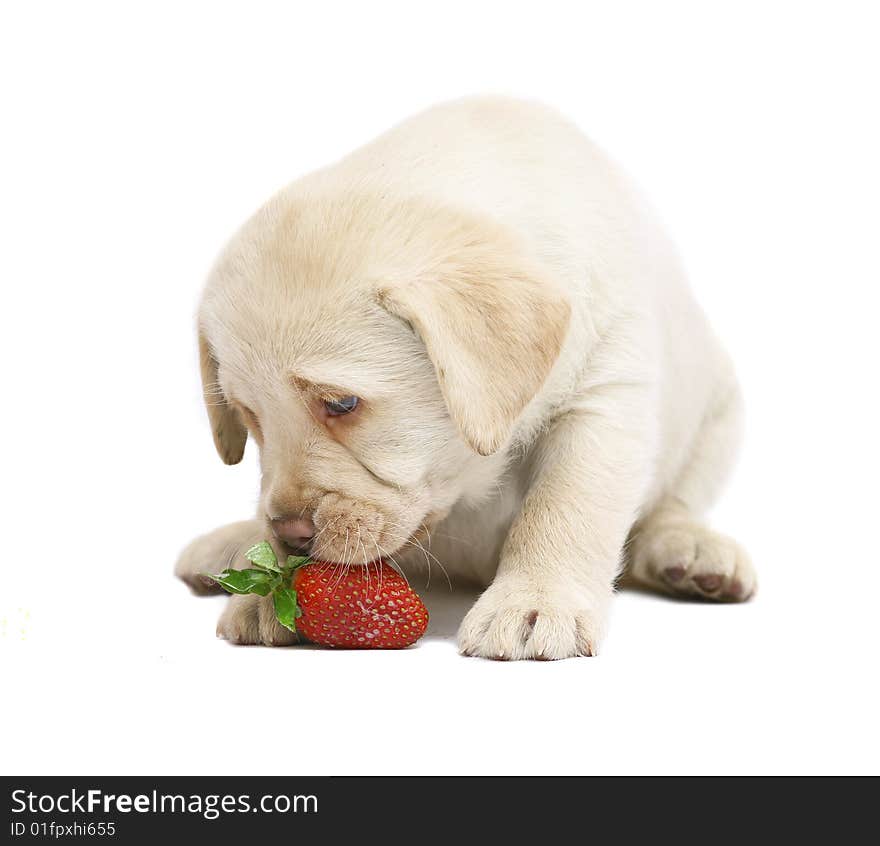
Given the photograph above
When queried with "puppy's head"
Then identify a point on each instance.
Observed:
(379, 354)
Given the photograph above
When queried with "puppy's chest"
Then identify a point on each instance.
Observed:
(468, 542)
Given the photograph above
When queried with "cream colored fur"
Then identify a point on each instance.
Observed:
(542, 399)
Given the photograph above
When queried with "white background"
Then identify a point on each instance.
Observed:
(134, 142)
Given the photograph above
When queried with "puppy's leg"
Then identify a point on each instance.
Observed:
(246, 619)
(672, 550)
(551, 594)
(223, 548)
(250, 619)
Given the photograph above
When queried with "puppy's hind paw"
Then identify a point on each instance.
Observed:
(692, 560)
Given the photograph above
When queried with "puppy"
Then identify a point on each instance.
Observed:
(469, 343)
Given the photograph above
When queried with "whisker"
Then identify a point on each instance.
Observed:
(344, 566)
(324, 528)
(439, 562)
(378, 560)
(326, 565)
(441, 534)
(394, 564)
(416, 544)
(366, 562)
(229, 554)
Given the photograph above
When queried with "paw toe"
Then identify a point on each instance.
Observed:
(585, 637)
(674, 574)
(709, 582)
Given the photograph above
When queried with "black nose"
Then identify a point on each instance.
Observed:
(296, 532)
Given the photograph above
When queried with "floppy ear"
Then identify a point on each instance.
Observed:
(229, 432)
(492, 326)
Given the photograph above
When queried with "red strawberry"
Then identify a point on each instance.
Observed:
(362, 609)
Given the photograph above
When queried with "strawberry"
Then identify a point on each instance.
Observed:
(362, 608)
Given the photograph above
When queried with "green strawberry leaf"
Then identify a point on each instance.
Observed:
(263, 556)
(294, 562)
(286, 608)
(247, 581)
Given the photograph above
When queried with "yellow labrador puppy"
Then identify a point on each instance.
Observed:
(471, 333)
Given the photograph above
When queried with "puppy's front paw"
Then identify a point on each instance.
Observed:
(514, 620)
(250, 619)
(211, 553)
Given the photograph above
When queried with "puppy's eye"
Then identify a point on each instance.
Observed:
(338, 407)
